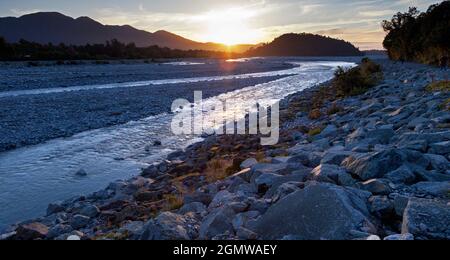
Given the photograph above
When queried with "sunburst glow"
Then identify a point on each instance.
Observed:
(232, 26)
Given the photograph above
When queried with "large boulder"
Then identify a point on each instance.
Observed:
(376, 165)
(31, 231)
(427, 219)
(440, 148)
(248, 163)
(441, 189)
(79, 221)
(376, 186)
(265, 181)
(327, 173)
(438, 162)
(402, 175)
(168, 226)
(90, 211)
(319, 211)
(335, 157)
(218, 222)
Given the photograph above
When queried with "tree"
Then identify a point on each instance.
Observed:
(421, 37)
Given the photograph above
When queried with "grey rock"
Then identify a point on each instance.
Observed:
(335, 158)
(372, 238)
(418, 145)
(434, 188)
(418, 121)
(167, 226)
(430, 138)
(327, 173)
(59, 230)
(308, 159)
(90, 211)
(54, 208)
(329, 131)
(440, 148)
(400, 237)
(345, 179)
(81, 173)
(133, 229)
(31, 231)
(369, 109)
(283, 159)
(248, 163)
(246, 234)
(151, 172)
(438, 162)
(427, 219)
(376, 165)
(259, 205)
(264, 181)
(285, 189)
(382, 207)
(79, 221)
(144, 195)
(195, 207)
(383, 136)
(400, 204)
(197, 196)
(431, 176)
(217, 222)
(238, 207)
(296, 177)
(402, 175)
(7, 236)
(376, 186)
(279, 168)
(223, 198)
(242, 219)
(319, 211)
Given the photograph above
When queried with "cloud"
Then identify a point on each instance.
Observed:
(20, 12)
(376, 13)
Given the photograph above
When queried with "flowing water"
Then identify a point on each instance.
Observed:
(34, 176)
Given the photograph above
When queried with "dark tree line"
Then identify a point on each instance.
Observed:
(420, 37)
(25, 50)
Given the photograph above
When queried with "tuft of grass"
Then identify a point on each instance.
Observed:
(445, 105)
(173, 202)
(357, 81)
(315, 114)
(439, 86)
(334, 109)
(218, 169)
(315, 131)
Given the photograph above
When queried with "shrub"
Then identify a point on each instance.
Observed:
(421, 37)
(217, 169)
(315, 114)
(173, 202)
(440, 86)
(334, 109)
(446, 105)
(356, 81)
(315, 131)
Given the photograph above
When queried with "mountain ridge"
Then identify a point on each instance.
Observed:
(56, 28)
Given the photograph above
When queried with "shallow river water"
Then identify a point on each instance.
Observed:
(34, 176)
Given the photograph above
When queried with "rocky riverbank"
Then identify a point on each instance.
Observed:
(373, 166)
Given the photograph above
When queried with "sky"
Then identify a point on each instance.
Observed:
(235, 21)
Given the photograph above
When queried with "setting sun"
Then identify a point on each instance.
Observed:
(230, 27)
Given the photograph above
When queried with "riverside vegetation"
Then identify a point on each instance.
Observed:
(364, 156)
(420, 37)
